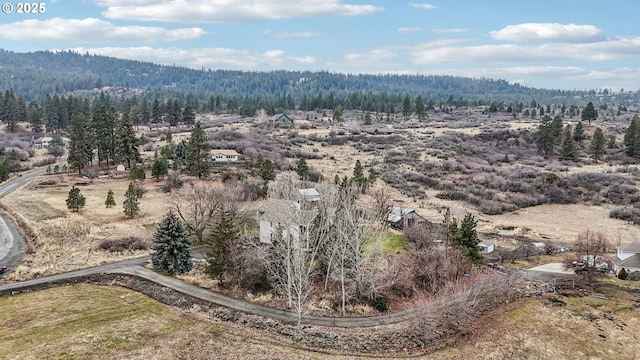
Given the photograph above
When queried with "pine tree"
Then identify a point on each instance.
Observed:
(110, 202)
(75, 200)
(301, 168)
(103, 122)
(578, 132)
(596, 149)
(358, 176)
(589, 113)
(197, 157)
(221, 242)
(632, 137)
(188, 117)
(159, 168)
(544, 137)
(406, 107)
(569, 151)
(131, 204)
(80, 147)
(467, 239)
(622, 274)
(171, 249)
(126, 143)
(420, 107)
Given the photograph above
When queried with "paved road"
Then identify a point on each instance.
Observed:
(133, 267)
(12, 245)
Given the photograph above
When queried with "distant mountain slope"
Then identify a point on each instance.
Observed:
(38, 73)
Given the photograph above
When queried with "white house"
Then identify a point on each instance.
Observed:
(225, 155)
(43, 142)
(627, 257)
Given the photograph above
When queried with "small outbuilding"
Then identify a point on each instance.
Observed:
(281, 120)
(401, 218)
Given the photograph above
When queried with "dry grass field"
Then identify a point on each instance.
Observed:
(98, 322)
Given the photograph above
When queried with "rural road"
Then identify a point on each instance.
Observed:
(12, 247)
(12, 244)
(133, 267)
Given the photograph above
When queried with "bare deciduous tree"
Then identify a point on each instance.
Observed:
(588, 246)
(197, 204)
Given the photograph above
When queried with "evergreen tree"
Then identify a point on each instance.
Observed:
(110, 202)
(589, 113)
(337, 113)
(466, 238)
(103, 122)
(632, 137)
(622, 274)
(159, 168)
(171, 249)
(80, 148)
(596, 149)
(406, 107)
(156, 112)
(556, 129)
(267, 170)
(301, 168)
(126, 143)
(221, 242)
(75, 200)
(131, 204)
(137, 173)
(544, 137)
(569, 151)
(188, 116)
(578, 132)
(197, 157)
(358, 176)
(35, 116)
(367, 118)
(420, 107)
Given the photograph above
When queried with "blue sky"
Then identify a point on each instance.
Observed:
(560, 44)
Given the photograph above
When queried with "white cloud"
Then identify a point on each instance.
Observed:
(445, 51)
(451, 30)
(214, 58)
(546, 32)
(91, 30)
(286, 34)
(211, 11)
(408, 30)
(425, 6)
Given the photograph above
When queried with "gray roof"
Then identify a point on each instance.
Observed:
(285, 211)
(397, 213)
(630, 262)
(310, 194)
(632, 247)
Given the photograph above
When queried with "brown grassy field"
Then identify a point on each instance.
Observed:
(98, 322)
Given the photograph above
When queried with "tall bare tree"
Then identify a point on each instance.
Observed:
(197, 204)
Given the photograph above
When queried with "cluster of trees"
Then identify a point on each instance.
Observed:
(76, 201)
(552, 132)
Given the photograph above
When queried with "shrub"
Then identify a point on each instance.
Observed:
(173, 182)
(626, 214)
(622, 274)
(131, 243)
(380, 303)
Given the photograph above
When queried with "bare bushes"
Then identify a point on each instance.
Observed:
(630, 214)
(130, 243)
(64, 229)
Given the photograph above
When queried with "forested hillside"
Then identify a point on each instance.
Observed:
(44, 72)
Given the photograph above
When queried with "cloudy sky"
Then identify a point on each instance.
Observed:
(560, 44)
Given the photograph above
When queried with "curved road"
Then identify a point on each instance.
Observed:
(12, 246)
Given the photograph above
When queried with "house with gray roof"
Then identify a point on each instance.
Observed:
(401, 218)
(291, 218)
(627, 257)
(281, 120)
